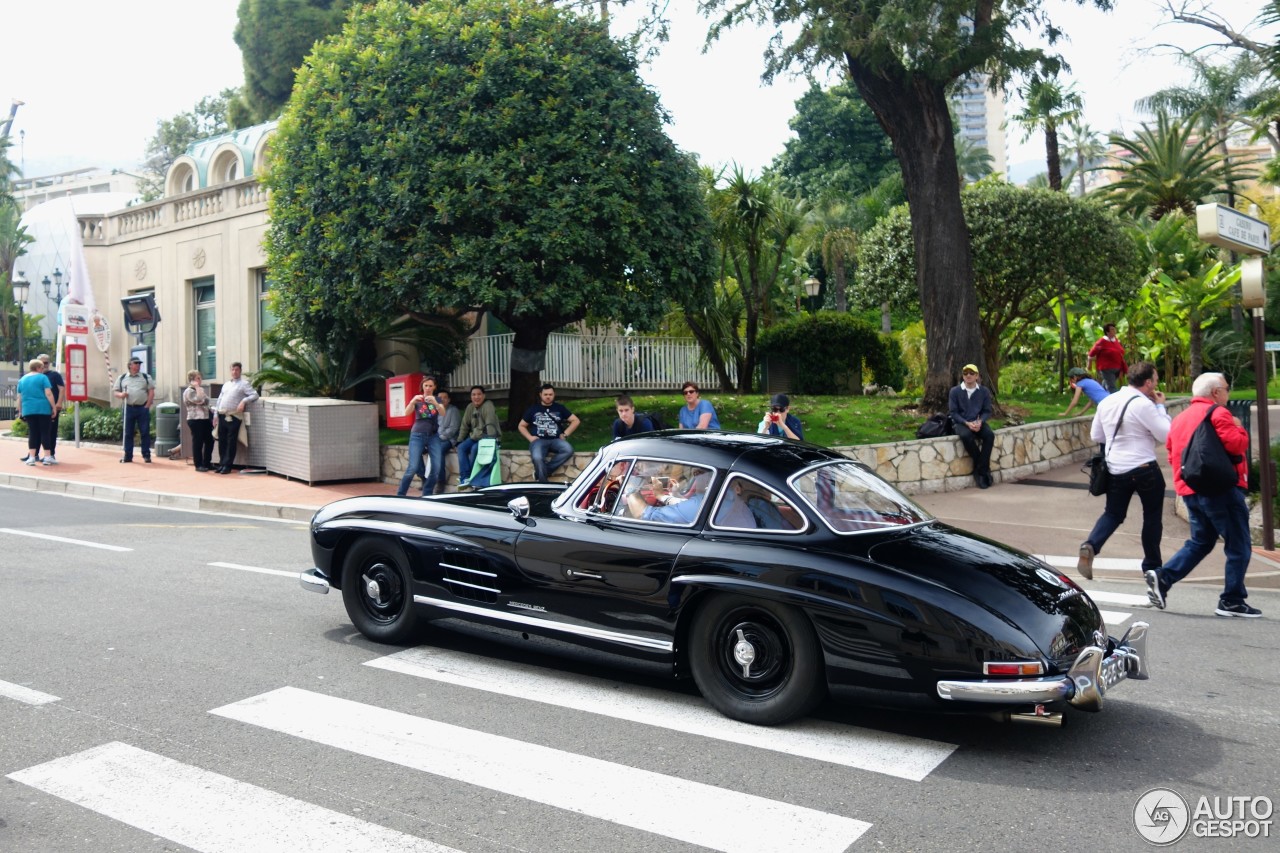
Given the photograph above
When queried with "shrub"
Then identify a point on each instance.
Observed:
(1022, 378)
(830, 350)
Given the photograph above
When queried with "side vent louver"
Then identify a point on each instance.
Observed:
(469, 577)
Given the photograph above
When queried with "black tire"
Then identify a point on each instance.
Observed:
(756, 661)
(377, 592)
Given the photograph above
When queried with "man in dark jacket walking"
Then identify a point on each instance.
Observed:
(1224, 515)
(970, 408)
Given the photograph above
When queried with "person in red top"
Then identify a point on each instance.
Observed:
(1108, 354)
(1224, 515)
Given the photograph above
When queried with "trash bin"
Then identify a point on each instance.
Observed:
(1243, 409)
(166, 428)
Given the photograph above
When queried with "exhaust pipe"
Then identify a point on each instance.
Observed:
(1039, 716)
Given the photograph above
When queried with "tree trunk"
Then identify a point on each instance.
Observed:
(886, 318)
(709, 350)
(1052, 159)
(842, 303)
(1196, 335)
(528, 357)
(915, 116)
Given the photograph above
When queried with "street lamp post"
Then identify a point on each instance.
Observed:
(21, 287)
(53, 293)
(811, 288)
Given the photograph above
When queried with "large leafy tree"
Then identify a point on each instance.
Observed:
(491, 155)
(13, 240)
(903, 56)
(274, 36)
(839, 148)
(1169, 167)
(1083, 149)
(1028, 246)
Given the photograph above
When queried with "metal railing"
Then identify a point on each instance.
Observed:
(601, 363)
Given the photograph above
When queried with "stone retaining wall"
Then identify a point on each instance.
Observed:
(916, 466)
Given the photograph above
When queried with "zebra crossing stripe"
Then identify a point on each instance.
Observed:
(206, 811)
(694, 812)
(25, 694)
(1127, 599)
(878, 752)
(1113, 617)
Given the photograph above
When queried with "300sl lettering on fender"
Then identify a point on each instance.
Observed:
(772, 572)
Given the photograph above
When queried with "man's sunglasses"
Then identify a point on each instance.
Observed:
(775, 409)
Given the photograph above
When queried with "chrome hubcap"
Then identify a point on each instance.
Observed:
(744, 654)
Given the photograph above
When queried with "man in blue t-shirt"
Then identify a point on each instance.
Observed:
(628, 422)
(547, 424)
(1081, 382)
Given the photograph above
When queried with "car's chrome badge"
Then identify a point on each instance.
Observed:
(519, 605)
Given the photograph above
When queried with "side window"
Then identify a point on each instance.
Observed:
(748, 505)
(665, 492)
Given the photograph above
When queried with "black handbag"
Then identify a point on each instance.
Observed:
(1099, 475)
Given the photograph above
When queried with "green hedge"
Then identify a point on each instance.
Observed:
(831, 350)
(96, 424)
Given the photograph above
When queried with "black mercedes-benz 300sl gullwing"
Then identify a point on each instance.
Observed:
(770, 571)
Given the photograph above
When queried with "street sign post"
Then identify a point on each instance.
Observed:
(1229, 228)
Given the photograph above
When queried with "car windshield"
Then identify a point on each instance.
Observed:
(850, 499)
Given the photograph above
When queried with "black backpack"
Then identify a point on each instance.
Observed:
(655, 419)
(937, 425)
(1206, 466)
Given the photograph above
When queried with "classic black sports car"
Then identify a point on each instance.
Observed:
(771, 571)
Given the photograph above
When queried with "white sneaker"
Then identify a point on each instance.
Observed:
(30, 461)
(49, 460)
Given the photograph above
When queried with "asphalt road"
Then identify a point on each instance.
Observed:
(166, 685)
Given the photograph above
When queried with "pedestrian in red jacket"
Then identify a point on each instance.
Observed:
(1224, 515)
(1108, 355)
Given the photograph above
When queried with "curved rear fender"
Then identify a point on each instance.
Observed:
(695, 590)
(338, 535)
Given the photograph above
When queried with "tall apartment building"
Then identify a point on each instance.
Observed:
(980, 119)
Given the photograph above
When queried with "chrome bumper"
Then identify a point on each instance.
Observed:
(1084, 685)
(314, 580)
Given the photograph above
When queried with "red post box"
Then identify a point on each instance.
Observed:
(400, 390)
(76, 367)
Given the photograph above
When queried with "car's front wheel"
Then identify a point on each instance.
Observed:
(756, 661)
(377, 592)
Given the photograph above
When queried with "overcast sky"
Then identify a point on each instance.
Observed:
(97, 76)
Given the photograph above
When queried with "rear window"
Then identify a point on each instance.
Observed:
(850, 499)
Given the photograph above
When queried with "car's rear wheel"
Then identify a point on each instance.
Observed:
(377, 592)
(756, 661)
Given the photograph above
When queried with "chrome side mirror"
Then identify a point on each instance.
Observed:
(519, 508)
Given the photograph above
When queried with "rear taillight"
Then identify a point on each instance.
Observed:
(1012, 668)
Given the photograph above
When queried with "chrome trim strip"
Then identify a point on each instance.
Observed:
(473, 586)
(314, 580)
(469, 571)
(521, 619)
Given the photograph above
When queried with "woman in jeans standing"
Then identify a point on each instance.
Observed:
(424, 437)
(35, 407)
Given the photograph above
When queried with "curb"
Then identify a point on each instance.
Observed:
(166, 500)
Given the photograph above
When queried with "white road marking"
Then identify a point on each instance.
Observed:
(693, 812)
(879, 752)
(1112, 617)
(203, 810)
(1115, 564)
(257, 569)
(25, 694)
(47, 536)
(1104, 597)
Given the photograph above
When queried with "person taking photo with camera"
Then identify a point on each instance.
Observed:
(779, 420)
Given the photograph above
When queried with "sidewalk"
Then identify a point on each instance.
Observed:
(95, 471)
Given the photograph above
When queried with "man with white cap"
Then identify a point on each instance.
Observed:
(138, 392)
(970, 408)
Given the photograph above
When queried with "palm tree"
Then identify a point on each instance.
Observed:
(754, 222)
(1048, 106)
(1216, 98)
(1169, 167)
(1084, 149)
(974, 160)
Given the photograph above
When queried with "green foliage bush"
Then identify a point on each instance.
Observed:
(830, 351)
(1027, 377)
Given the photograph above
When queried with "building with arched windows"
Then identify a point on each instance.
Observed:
(199, 252)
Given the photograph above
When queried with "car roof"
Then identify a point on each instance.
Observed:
(766, 456)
